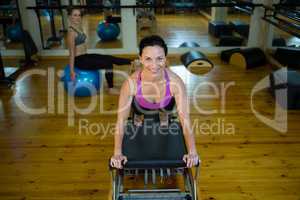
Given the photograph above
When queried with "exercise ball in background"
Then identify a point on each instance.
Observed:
(108, 31)
(14, 33)
(86, 83)
(45, 13)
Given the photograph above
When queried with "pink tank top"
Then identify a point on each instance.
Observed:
(149, 105)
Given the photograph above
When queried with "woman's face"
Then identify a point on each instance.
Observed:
(153, 59)
(75, 17)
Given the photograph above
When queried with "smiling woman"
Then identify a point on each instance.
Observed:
(154, 87)
(154, 139)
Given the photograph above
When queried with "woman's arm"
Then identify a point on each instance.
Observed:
(125, 100)
(182, 103)
(72, 52)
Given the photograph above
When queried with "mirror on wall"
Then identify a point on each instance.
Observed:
(52, 24)
(288, 23)
(10, 22)
(101, 26)
(283, 39)
(186, 24)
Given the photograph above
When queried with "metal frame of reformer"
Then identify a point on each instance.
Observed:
(190, 183)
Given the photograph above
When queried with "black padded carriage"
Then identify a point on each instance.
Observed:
(162, 146)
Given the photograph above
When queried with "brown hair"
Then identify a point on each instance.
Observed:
(153, 40)
(72, 8)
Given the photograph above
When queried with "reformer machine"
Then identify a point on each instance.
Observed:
(154, 146)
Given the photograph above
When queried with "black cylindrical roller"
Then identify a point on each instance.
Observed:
(196, 62)
(254, 57)
(248, 58)
(226, 54)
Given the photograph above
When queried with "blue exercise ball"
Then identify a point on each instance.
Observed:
(14, 33)
(45, 13)
(86, 83)
(108, 31)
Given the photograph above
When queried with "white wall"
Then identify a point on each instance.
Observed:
(261, 32)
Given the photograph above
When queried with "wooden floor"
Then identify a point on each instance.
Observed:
(42, 157)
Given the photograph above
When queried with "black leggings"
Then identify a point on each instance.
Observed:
(98, 61)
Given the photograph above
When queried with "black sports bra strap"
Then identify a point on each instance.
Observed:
(74, 29)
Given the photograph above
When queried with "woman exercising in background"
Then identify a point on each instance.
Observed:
(78, 52)
(151, 88)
